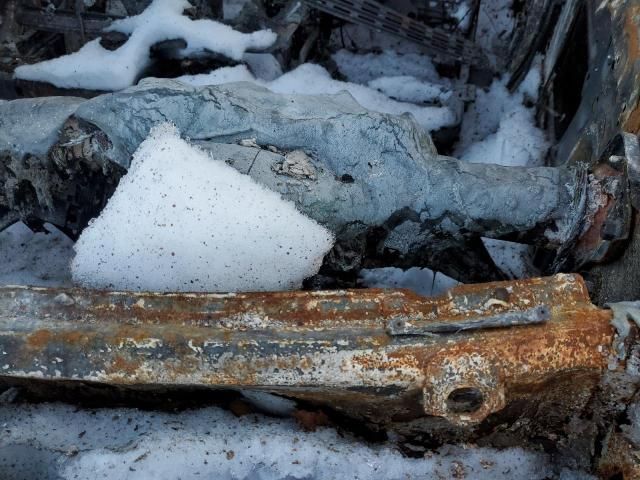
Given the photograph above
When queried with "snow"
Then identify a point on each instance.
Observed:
(195, 225)
(530, 85)
(239, 73)
(95, 68)
(517, 142)
(423, 281)
(462, 13)
(406, 88)
(362, 68)
(311, 79)
(499, 128)
(40, 259)
(407, 77)
(58, 441)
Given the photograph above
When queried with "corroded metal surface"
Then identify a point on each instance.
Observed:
(621, 459)
(610, 99)
(331, 346)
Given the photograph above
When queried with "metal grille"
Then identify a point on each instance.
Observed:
(444, 46)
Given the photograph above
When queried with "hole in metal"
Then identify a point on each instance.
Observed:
(465, 400)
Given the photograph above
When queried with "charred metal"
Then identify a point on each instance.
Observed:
(549, 363)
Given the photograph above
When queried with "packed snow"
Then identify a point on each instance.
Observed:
(183, 221)
(40, 259)
(499, 128)
(64, 442)
(96, 68)
(312, 79)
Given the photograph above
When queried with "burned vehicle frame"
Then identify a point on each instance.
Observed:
(527, 362)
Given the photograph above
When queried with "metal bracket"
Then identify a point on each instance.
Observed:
(532, 316)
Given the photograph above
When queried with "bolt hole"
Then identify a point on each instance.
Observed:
(465, 400)
(544, 313)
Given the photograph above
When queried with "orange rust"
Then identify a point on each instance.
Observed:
(125, 368)
(631, 29)
(129, 332)
(632, 123)
(582, 339)
(592, 238)
(39, 339)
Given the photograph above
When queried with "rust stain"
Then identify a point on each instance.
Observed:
(125, 367)
(631, 27)
(620, 459)
(39, 339)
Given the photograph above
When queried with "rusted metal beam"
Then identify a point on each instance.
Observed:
(332, 347)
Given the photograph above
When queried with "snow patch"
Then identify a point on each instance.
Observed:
(499, 128)
(96, 68)
(58, 441)
(362, 68)
(411, 89)
(40, 259)
(517, 142)
(311, 79)
(239, 73)
(182, 221)
(531, 83)
(462, 13)
(514, 259)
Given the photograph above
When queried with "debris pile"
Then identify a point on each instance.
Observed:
(236, 178)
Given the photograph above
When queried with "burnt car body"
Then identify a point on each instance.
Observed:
(502, 363)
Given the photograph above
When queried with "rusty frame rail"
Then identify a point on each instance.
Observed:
(328, 346)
